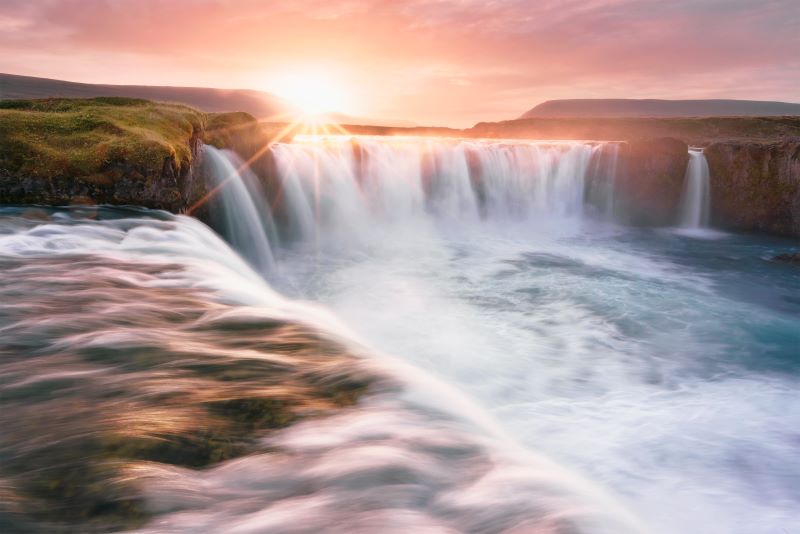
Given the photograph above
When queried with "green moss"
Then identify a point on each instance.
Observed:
(224, 129)
(254, 413)
(66, 138)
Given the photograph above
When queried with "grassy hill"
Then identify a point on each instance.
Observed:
(257, 103)
(627, 107)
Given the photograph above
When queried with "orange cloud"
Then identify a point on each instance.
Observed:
(430, 61)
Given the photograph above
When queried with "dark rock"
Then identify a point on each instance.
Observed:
(755, 187)
(650, 183)
(788, 258)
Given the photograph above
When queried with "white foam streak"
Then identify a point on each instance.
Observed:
(696, 204)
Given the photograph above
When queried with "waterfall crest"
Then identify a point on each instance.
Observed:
(696, 202)
(237, 209)
(336, 190)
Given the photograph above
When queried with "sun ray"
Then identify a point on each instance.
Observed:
(213, 192)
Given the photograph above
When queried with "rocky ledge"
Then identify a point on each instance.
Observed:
(649, 183)
(789, 258)
(755, 186)
(127, 151)
(120, 151)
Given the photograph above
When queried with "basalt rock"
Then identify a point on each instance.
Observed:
(755, 186)
(650, 182)
(59, 152)
(173, 187)
(788, 258)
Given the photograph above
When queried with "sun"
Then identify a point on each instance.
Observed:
(312, 93)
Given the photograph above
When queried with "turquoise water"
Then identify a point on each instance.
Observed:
(662, 366)
(545, 369)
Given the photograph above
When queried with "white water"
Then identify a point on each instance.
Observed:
(338, 191)
(696, 203)
(484, 264)
(238, 209)
(415, 456)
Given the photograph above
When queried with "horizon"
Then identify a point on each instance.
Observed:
(463, 266)
(431, 63)
(394, 122)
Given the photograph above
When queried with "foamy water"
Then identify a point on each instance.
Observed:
(535, 367)
(414, 455)
(661, 365)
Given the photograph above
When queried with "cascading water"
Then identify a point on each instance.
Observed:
(337, 189)
(616, 351)
(334, 190)
(696, 203)
(601, 182)
(519, 330)
(237, 207)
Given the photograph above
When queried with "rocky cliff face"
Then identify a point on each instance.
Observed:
(650, 180)
(755, 186)
(172, 186)
(133, 152)
(101, 151)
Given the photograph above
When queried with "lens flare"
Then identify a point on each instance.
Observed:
(313, 93)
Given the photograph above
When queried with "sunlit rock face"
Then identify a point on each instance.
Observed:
(756, 186)
(651, 183)
(119, 151)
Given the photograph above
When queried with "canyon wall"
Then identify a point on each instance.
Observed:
(649, 183)
(134, 152)
(755, 186)
(172, 185)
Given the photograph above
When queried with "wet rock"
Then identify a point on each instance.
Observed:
(117, 151)
(755, 186)
(788, 257)
(650, 184)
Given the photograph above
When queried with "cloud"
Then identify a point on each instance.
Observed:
(453, 61)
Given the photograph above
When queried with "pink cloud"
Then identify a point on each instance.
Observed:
(432, 61)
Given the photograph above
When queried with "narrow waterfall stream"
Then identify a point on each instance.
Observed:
(695, 210)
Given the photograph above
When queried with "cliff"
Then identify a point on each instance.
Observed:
(631, 107)
(755, 186)
(112, 150)
(135, 152)
(99, 151)
(693, 130)
(649, 183)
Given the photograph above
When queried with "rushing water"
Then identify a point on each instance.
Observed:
(540, 368)
(696, 202)
(662, 366)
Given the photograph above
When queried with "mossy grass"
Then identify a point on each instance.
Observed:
(66, 138)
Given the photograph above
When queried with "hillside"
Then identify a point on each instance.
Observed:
(624, 107)
(257, 103)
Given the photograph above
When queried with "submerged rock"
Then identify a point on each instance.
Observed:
(103, 373)
(788, 257)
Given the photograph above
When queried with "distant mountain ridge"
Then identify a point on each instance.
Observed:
(260, 104)
(257, 103)
(625, 107)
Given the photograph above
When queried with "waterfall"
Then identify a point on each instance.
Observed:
(337, 190)
(601, 181)
(349, 185)
(696, 202)
(237, 209)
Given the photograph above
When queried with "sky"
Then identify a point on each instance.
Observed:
(433, 62)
